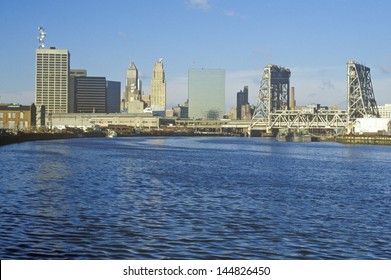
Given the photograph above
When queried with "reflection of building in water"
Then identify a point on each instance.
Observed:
(206, 93)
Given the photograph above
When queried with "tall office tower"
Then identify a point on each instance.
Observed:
(73, 73)
(51, 80)
(206, 93)
(90, 95)
(132, 87)
(241, 99)
(158, 89)
(113, 90)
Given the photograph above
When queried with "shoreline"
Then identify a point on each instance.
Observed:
(27, 137)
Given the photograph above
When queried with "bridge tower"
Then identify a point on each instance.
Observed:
(361, 99)
(273, 93)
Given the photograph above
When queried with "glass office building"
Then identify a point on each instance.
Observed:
(206, 93)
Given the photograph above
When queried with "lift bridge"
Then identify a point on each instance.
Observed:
(273, 110)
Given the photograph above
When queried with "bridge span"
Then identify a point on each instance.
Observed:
(273, 109)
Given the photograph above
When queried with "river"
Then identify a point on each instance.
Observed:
(194, 198)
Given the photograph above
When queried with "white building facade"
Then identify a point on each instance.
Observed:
(158, 89)
(385, 111)
(52, 79)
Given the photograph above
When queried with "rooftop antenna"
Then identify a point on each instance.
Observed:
(41, 37)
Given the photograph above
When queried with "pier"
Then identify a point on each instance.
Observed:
(364, 140)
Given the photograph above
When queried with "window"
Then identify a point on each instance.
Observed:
(11, 124)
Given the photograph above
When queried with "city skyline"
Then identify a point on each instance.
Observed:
(313, 40)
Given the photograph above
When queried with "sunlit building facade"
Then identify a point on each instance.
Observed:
(52, 79)
(158, 88)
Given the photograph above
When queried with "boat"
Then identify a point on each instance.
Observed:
(284, 136)
(111, 134)
(296, 136)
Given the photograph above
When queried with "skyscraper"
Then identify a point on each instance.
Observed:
(132, 87)
(241, 99)
(73, 73)
(206, 93)
(113, 90)
(158, 88)
(91, 95)
(51, 79)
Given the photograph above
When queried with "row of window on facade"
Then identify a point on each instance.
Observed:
(11, 115)
(13, 125)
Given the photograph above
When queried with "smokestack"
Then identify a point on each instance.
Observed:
(292, 101)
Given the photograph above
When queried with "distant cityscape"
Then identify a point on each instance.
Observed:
(70, 97)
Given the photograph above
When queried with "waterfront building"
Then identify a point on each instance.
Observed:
(241, 99)
(90, 95)
(158, 89)
(372, 125)
(113, 98)
(132, 87)
(88, 120)
(385, 111)
(17, 117)
(73, 73)
(206, 93)
(232, 113)
(52, 79)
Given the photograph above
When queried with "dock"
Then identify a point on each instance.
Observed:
(364, 140)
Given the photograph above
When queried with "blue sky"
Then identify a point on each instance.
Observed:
(314, 39)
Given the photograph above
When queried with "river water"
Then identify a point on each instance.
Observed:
(194, 198)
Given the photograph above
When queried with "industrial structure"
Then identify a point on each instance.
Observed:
(361, 99)
(273, 111)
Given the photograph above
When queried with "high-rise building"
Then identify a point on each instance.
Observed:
(132, 88)
(52, 79)
(241, 99)
(158, 89)
(90, 95)
(206, 93)
(73, 73)
(113, 91)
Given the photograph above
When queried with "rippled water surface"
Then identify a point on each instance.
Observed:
(194, 198)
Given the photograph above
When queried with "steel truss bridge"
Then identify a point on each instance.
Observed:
(273, 107)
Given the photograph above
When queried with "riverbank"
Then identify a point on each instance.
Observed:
(364, 140)
(7, 139)
(24, 137)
